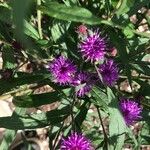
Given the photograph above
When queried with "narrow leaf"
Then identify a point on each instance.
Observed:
(19, 122)
(74, 13)
(117, 127)
(36, 100)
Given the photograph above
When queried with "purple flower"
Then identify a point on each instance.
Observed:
(94, 79)
(130, 110)
(62, 70)
(93, 48)
(76, 142)
(82, 82)
(109, 72)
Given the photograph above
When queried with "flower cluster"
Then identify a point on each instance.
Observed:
(131, 110)
(76, 141)
(93, 48)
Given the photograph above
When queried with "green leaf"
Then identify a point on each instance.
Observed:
(70, 2)
(81, 115)
(30, 30)
(10, 134)
(7, 139)
(5, 14)
(99, 97)
(143, 40)
(137, 6)
(77, 14)
(7, 85)
(9, 61)
(142, 68)
(4, 32)
(37, 99)
(128, 32)
(117, 127)
(42, 43)
(124, 7)
(132, 136)
(59, 29)
(120, 44)
(145, 87)
(145, 133)
(20, 122)
(20, 9)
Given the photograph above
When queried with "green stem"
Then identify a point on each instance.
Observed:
(58, 135)
(105, 135)
(72, 115)
(39, 20)
(99, 75)
(136, 77)
(99, 114)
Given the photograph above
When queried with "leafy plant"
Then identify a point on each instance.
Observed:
(85, 53)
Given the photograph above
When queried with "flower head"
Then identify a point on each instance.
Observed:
(82, 29)
(113, 52)
(93, 48)
(109, 72)
(82, 83)
(94, 79)
(130, 110)
(62, 70)
(76, 142)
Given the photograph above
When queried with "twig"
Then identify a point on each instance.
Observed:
(39, 20)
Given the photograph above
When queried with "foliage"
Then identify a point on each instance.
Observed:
(35, 33)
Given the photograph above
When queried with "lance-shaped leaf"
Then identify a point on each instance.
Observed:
(33, 121)
(77, 14)
(36, 100)
(117, 127)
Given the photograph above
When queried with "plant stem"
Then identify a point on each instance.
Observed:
(136, 77)
(99, 75)
(58, 134)
(99, 114)
(72, 116)
(105, 135)
(39, 20)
